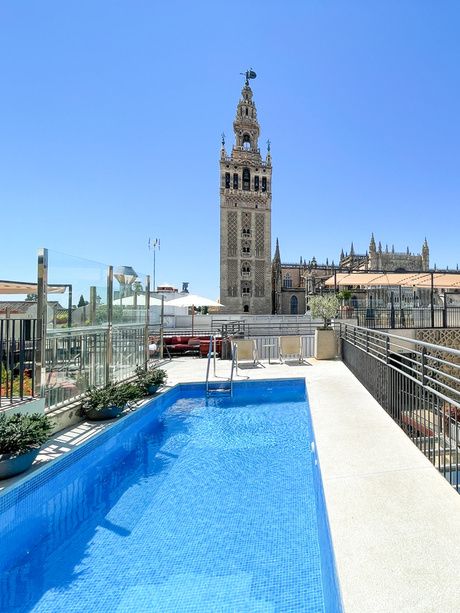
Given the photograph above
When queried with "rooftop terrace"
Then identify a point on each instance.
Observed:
(392, 515)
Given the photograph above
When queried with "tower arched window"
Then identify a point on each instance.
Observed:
(256, 183)
(246, 111)
(227, 180)
(246, 141)
(246, 248)
(246, 179)
(294, 305)
(235, 180)
(245, 289)
(245, 270)
(264, 184)
(287, 281)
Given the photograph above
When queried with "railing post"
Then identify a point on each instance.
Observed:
(147, 321)
(423, 366)
(162, 316)
(367, 340)
(444, 313)
(432, 300)
(387, 348)
(92, 304)
(42, 307)
(109, 353)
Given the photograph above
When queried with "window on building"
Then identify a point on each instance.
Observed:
(246, 141)
(294, 305)
(235, 180)
(256, 183)
(245, 290)
(246, 308)
(287, 281)
(245, 269)
(227, 180)
(246, 112)
(246, 179)
(264, 184)
(246, 248)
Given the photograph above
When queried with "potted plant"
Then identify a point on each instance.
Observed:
(345, 309)
(149, 380)
(324, 307)
(21, 436)
(108, 401)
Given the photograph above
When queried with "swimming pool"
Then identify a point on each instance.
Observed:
(183, 505)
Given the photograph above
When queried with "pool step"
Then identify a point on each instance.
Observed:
(221, 388)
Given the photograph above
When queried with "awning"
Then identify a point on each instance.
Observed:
(441, 280)
(21, 287)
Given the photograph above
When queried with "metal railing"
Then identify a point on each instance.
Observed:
(403, 318)
(17, 360)
(266, 328)
(78, 358)
(212, 355)
(417, 383)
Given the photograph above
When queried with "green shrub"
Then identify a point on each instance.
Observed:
(149, 378)
(111, 395)
(21, 432)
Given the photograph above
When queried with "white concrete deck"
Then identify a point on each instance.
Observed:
(393, 517)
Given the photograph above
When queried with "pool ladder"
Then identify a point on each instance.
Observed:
(219, 387)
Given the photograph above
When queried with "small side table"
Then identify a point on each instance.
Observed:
(270, 345)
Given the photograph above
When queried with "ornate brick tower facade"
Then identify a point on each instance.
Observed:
(245, 216)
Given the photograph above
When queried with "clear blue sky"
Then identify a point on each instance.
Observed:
(111, 115)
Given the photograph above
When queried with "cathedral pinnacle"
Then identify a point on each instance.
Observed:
(277, 256)
(372, 247)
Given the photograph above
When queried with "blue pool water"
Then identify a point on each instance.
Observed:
(185, 505)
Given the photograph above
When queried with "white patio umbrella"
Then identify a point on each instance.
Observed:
(193, 300)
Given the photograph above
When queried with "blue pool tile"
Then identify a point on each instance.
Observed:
(185, 505)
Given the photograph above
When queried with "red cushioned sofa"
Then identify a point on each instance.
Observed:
(190, 345)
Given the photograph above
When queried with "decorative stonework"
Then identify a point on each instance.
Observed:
(260, 234)
(232, 277)
(260, 278)
(232, 233)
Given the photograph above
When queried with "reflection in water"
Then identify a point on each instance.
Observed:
(82, 496)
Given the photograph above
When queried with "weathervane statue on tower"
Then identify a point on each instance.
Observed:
(249, 74)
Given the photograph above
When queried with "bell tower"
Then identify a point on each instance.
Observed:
(245, 215)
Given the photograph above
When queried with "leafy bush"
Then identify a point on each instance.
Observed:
(149, 378)
(344, 295)
(19, 433)
(6, 383)
(111, 395)
(324, 307)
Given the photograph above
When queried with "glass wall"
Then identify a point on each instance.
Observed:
(96, 325)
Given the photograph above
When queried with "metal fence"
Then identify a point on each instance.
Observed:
(411, 317)
(17, 359)
(250, 329)
(79, 358)
(417, 383)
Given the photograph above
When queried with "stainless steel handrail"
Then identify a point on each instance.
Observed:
(211, 338)
(234, 361)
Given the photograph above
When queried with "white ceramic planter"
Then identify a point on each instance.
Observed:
(325, 344)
